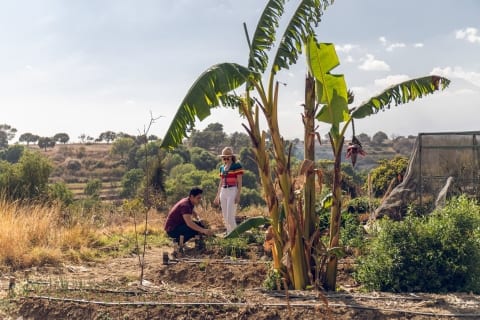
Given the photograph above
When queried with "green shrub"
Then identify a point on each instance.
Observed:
(436, 253)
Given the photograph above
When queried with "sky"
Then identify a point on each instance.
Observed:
(85, 67)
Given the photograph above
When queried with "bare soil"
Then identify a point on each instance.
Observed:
(204, 285)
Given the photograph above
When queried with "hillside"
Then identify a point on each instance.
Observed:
(75, 164)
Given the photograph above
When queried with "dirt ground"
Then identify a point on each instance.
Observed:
(202, 286)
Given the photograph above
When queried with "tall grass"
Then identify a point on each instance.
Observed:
(33, 235)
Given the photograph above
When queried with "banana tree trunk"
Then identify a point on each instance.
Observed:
(309, 154)
(335, 216)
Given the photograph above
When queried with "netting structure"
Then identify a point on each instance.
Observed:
(441, 165)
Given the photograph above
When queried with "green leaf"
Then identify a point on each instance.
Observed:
(399, 94)
(331, 90)
(305, 18)
(246, 225)
(264, 35)
(206, 93)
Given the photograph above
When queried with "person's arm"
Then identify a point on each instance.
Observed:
(192, 225)
(239, 188)
(217, 197)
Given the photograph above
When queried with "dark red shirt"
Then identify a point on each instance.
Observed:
(175, 216)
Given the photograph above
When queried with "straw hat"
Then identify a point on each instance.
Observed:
(227, 152)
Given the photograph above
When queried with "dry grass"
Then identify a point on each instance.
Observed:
(31, 235)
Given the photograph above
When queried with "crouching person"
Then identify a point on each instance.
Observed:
(183, 220)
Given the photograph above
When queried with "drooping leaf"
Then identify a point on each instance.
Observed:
(305, 18)
(399, 94)
(264, 36)
(206, 93)
(246, 225)
(331, 89)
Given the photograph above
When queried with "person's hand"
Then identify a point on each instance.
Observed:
(216, 201)
(209, 232)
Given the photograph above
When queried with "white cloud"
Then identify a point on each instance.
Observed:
(395, 45)
(418, 45)
(390, 80)
(458, 72)
(469, 34)
(383, 40)
(345, 48)
(371, 64)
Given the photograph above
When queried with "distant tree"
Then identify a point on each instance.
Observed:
(28, 137)
(107, 136)
(202, 159)
(32, 172)
(93, 188)
(379, 138)
(239, 140)
(122, 146)
(247, 159)
(60, 192)
(130, 183)
(61, 137)
(152, 137)
(364, 138)
(46, 142)
(249, 180)
(82, 137)
(12, 154)
(7, 133)
(403, 145)
(212, 138)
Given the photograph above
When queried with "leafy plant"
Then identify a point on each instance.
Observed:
(437, 253)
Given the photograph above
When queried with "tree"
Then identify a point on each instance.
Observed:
(7, 133)
(46, 142)
(332, 94)
(28, 137)
(379, 137)
(214, 87)
(107, 136)
(212, 138)
(202, 159)
(292, 227)
(238, 141)
(13, 153)
(61, 137)
(122, 146)
(93, 188)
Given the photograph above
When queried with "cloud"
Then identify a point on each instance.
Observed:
(418, 45)
(395, 45)
(383, 40)
(345, 48)
(390, 80)
(458, 72)
(469, 34)
(371, 64)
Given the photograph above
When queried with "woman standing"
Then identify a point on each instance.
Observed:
(229, 188)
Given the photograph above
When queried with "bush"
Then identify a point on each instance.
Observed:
(437, 253)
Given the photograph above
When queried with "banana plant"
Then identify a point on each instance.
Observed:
(216, 87)
(331, 92)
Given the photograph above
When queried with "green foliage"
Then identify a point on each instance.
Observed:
(251, 197)
(12, 154)
(273, 281)
(59, 191)
(26, 179)
(249, 180)
(437, 253)
(122, 146)
(93, 188)
(385, 172)
(203, 159)
(130, 183)
(210, 138)
(234, 247)
(185, 176)
(247, 225)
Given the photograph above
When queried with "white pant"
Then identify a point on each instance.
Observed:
(229, 208)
